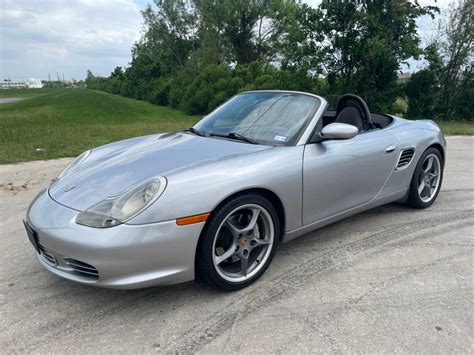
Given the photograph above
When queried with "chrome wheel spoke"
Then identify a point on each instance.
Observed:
(428, 191)
(258, 242)
(244, 265)
(232, 228)
(429, 166)
(238, 232)
(421, 187)
(253, 221)
(227, 254)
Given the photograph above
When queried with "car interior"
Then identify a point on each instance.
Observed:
(352, 109)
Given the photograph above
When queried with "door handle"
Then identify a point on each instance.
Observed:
(390, 149)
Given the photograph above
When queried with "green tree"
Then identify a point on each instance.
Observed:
(169, 33)
(244, 30)
(423, 89)
(360, 46)
(420, 91)
(464, 101)
(456, 44)
(195, 54)
(302, 46)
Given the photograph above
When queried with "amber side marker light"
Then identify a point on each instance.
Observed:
(192, 219)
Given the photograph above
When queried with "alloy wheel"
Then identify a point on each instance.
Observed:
(243, 242)
(429, 178)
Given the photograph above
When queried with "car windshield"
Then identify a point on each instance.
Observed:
(272, 118)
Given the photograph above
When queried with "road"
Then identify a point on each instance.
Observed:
(392, 279)
(7, 100)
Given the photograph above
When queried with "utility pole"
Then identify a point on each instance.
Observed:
(49, 77)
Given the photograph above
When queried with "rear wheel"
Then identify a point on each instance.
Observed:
(426, 180)
(239, 242)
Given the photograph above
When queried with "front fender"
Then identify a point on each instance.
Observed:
(202, 188)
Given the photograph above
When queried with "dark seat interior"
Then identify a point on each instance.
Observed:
(351, 109)
(380, 119)
(350, 115)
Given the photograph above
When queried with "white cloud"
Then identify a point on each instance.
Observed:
(67, 37)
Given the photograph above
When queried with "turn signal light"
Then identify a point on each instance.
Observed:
(192, 219)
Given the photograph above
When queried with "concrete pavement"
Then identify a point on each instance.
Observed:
(392, 279)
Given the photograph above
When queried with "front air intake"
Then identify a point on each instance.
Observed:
(405, 158)
(82, 269)
(47, 256)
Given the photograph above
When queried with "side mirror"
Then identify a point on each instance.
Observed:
(339, 131)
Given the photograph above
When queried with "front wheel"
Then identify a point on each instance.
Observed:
(426, 180)
(239, 242)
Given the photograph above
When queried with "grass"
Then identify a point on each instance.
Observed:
(457, 128)
(24, 93)
(54, 123)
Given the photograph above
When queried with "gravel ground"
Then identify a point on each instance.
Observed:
(392, 279)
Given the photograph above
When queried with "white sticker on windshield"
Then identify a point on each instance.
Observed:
(280, 138)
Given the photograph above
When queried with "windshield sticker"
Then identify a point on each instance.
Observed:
(280, 138)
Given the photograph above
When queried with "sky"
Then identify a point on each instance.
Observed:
(51, 38)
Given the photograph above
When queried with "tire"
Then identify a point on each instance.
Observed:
(238, 242)
(431, 179)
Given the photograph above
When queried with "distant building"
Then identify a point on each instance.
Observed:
(30, 83)
(10, 84)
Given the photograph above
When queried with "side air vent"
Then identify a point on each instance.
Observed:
(405, 158)
(82, 269)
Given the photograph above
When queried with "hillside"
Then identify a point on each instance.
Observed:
(53, 123)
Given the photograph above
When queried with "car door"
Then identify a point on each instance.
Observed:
(342, 174)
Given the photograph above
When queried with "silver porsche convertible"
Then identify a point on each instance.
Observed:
(215, 200)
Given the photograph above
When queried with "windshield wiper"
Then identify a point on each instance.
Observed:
(196, 131)
(233, 135)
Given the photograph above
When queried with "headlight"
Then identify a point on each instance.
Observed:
(117, 210)
(74, 164)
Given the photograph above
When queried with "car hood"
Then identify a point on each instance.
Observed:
(114, 168)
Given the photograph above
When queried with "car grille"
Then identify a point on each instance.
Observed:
(47, 256)
(82, 269)
(405, 158)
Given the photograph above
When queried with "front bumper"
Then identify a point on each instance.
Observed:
(125, 256)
